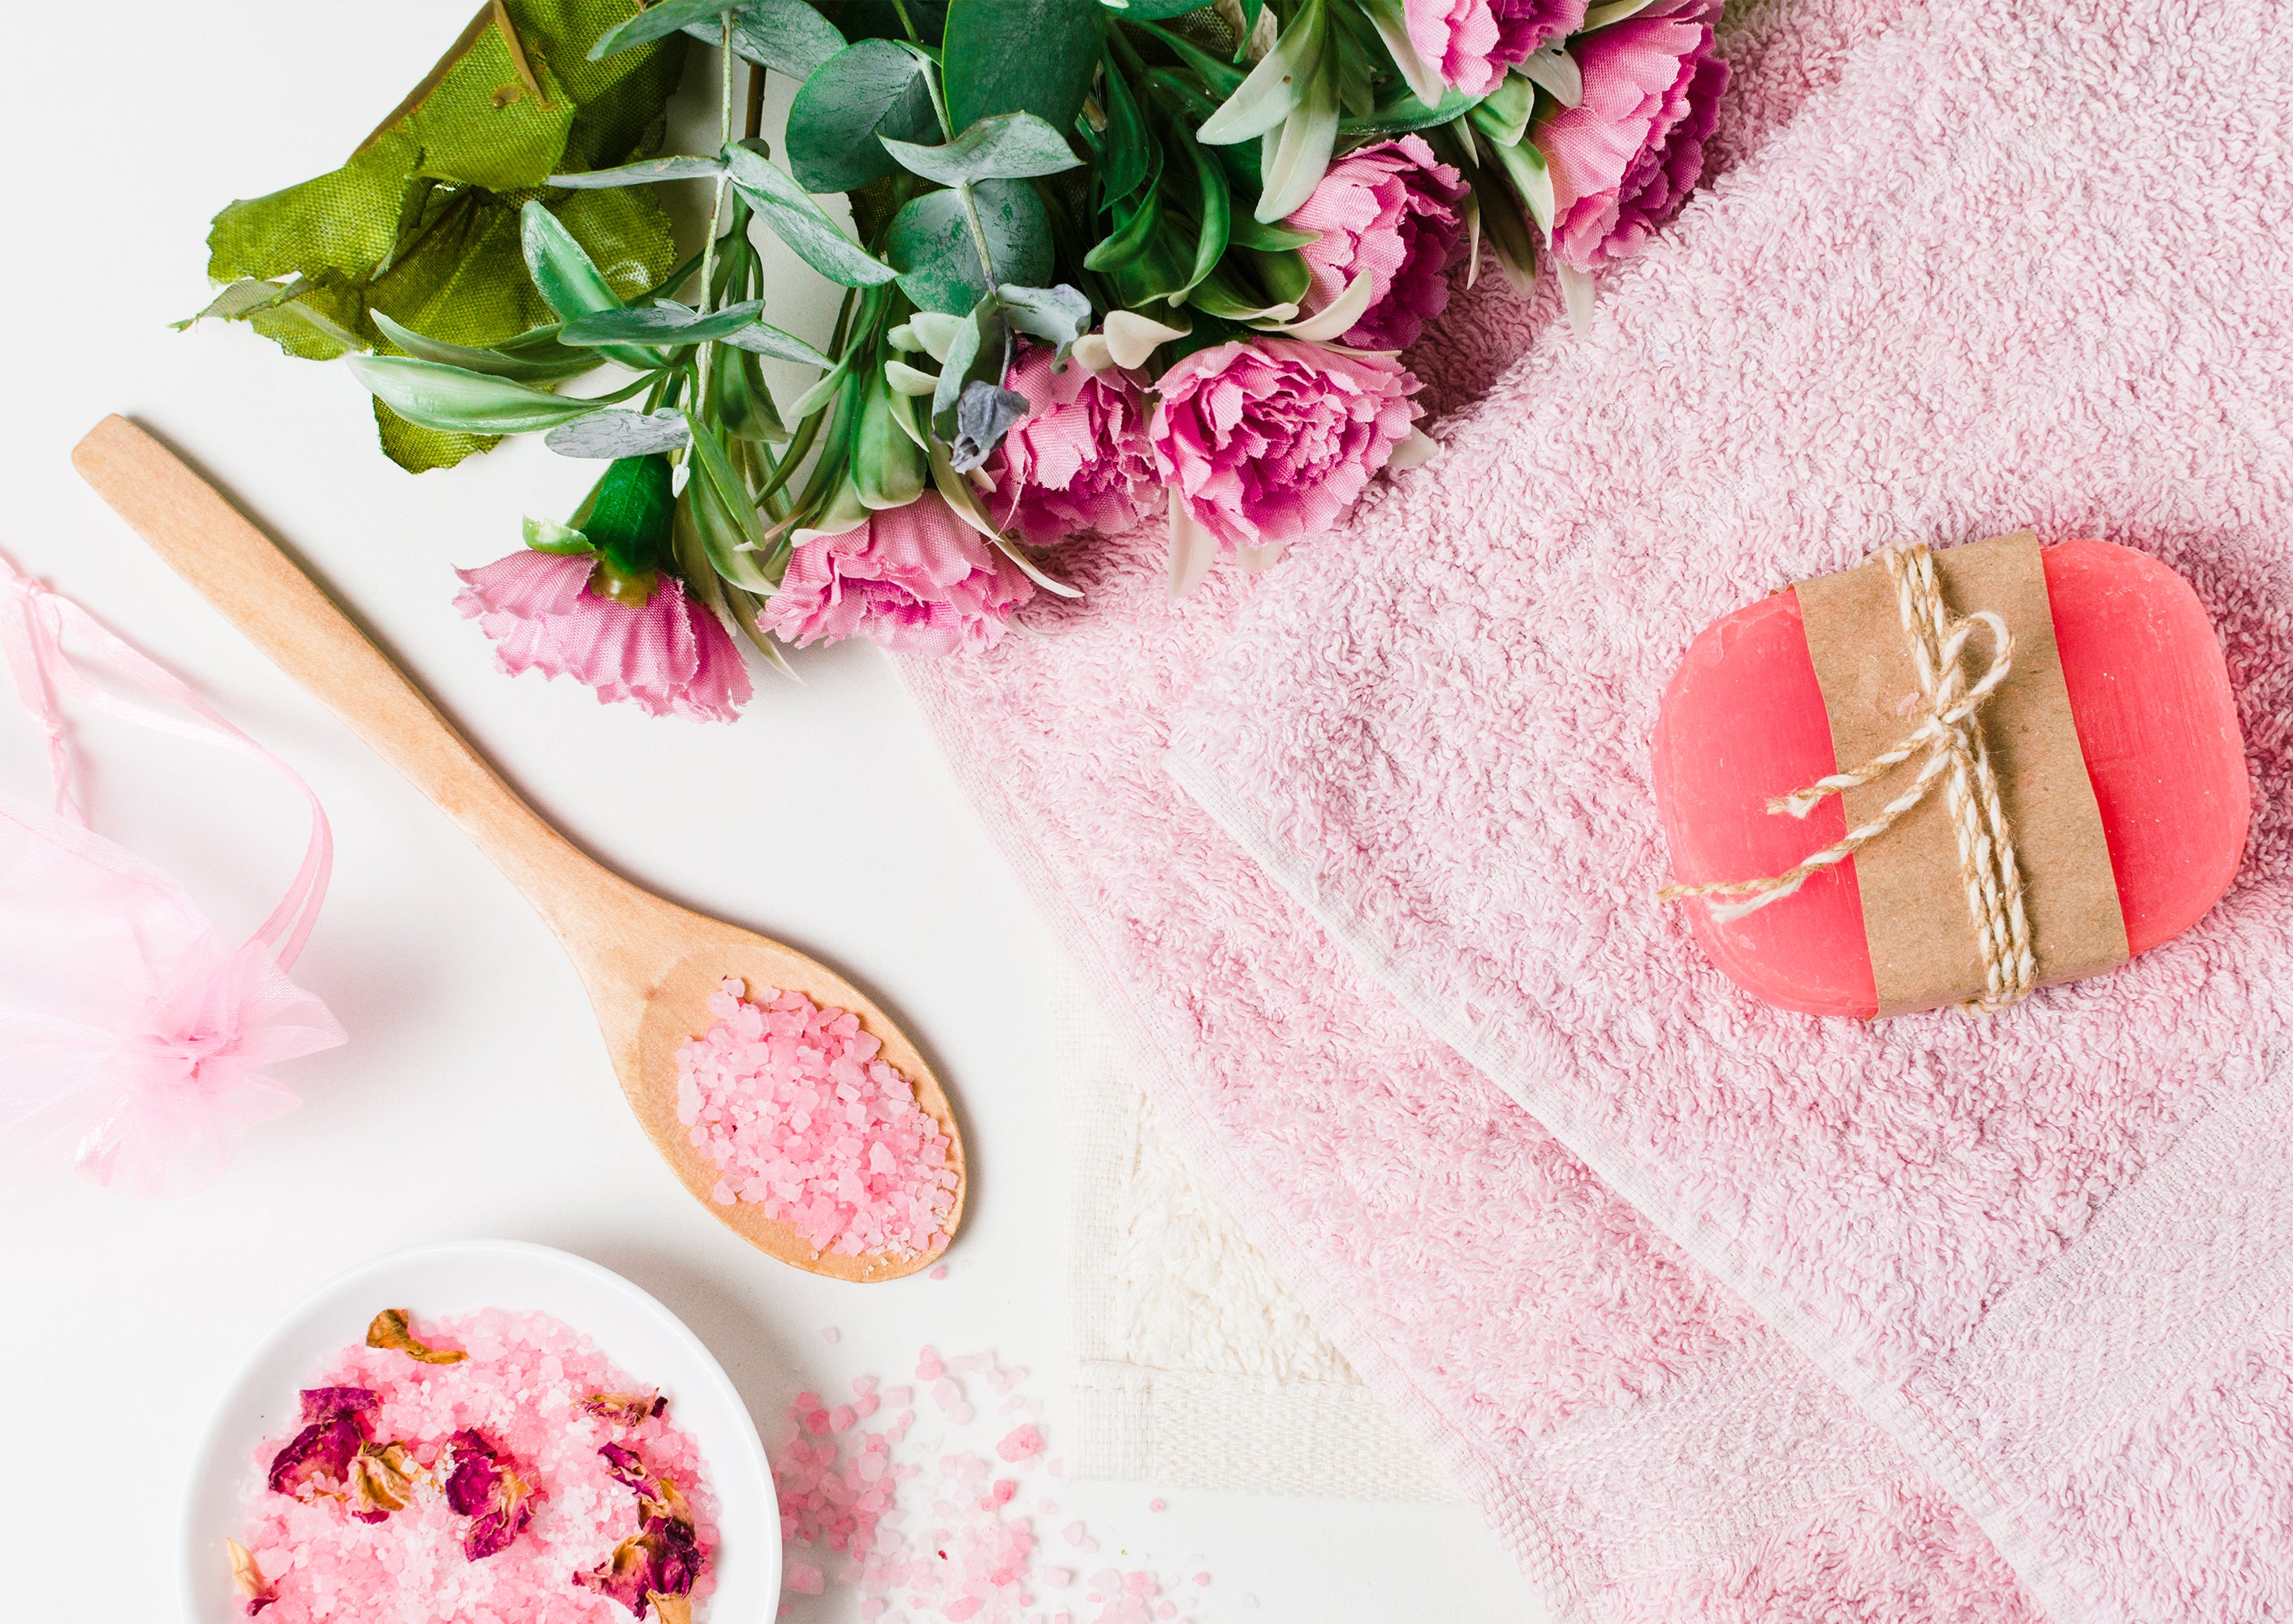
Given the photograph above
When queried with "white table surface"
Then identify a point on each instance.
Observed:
(473, 1097)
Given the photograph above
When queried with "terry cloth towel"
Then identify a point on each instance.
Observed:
(1189, 1362)
(1647, 1449)
(2031, 265)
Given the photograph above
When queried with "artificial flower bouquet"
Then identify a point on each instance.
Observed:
(1101, 261)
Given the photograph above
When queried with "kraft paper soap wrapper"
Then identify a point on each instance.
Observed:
(1915, 918)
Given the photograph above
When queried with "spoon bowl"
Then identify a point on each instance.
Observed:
(650, 966)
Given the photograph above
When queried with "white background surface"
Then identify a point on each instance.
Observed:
(473, 1097)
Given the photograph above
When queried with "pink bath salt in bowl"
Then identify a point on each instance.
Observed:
(522, 1472)
(801, 1115)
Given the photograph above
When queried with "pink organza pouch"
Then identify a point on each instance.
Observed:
(135, 1039)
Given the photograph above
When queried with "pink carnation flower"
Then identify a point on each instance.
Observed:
(1389, 213)
(1078, 460)
(1267, 441)
(916, 578)
(1625, 157)
(1471, 42)
(667, 654)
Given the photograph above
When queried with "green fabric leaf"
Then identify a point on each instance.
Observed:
(1020, 56)
(930, 245)
(873, 88)
(416, 225)
(460, 401)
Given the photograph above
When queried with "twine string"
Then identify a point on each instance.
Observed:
(1949, 738)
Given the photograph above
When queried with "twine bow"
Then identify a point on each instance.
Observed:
(1949, 735)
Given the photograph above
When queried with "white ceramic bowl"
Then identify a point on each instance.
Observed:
(635, 1332)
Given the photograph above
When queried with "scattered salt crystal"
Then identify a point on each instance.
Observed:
(940, 1274)
(960, 1415)
(1055, 1578)
(1075, 1532)
(840, 1418)
(1022, 1443)
(945, 1394)
(1164, 1610)
(1201, 1578)
(761, 1091)
(1158, 1505)
(829, 1334)
(806, 1579)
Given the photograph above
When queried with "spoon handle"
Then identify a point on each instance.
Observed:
(282, 612)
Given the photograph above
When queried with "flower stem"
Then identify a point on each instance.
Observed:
(962, 188)
(716, 209)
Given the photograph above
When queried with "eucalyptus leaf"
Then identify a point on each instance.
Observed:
(665, 323)
(1151, 11)
(656, 22)
(872, 89)
(929, 242)
(645, 172)
(1057, 316)
(802, 224)
(1019, 56)
(786, 35)
(1005, 146)
(983, 416)
(544, 362)
(461, 401)
(762, 338)
(620, 434)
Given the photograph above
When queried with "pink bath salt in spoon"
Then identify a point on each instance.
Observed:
(1744, 720)
(651, 967)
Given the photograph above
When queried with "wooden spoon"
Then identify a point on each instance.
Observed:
(650, 965)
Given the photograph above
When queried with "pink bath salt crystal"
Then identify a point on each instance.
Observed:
(1055, 1578)
(830, 1335)
(960, 1415)
(806, 1579)
(806, 1402)
(1201, 1578)
(790, 1102)
(1022, 1442)
(840, 1418)
(896, 1396)
(945, 1394)
(1107, 1581)
(927, 1366)
(864, 1405)
(939, 1273)
(1164, 1610)
(1158, 1505)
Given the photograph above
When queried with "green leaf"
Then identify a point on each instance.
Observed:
(1136, 231)
(1294, 158)
(1404, 114)
(762, 338)
(460, 401)
(539, 365)
(874, 88)
(1128, 154)
(1524, 167)
(887, 465)
(786, 35)
(1248, 231)
(1553, 71)
(665, 323)
(1019, 56)
(645, 172)
(1006, 146)
(655, 22)
(1216, 205)
(548, 536)
(980, 354)
(1057, 316)
(1152, 10)
(800, 223)
(1615, 10)
(930, 243)
(724, 515)
(1504, 115)
(620, 434)
(742, 399)
(1276, 87)
(570, 281)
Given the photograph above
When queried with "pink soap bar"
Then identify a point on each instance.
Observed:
(1743, 721)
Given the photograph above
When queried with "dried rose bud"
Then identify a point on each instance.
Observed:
(657, 1493)
(624, 1576)
(391, 1332)
(259, 1591)
(381, 1480)
(624, 1409)
(484, 1488)
(317, 1461)
(671, 1609)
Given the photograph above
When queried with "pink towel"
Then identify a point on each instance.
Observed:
(2026, 264)
(1648, 1449)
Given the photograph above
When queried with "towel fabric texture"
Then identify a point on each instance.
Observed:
(1189, 1363)
(1716, 1312)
